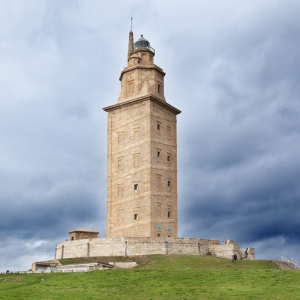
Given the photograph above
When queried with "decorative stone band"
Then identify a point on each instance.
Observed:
(141, 99)
(142, 67)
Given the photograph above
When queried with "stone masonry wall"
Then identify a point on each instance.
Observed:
(142, 153)
(121, 246)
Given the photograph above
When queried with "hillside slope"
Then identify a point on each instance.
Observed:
(161, 277)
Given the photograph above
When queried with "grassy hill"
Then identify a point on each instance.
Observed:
(160, 277)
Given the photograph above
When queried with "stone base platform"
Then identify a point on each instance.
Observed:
(131, 246)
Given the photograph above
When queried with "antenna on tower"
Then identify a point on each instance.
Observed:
(131, 25)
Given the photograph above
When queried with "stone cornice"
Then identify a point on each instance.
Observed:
(148, 67)
(150, 97)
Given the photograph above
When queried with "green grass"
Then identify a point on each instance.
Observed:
(162, 277)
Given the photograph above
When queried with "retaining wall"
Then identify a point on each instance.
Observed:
(130, 246)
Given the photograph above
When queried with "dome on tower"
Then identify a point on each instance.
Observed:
(143, 43)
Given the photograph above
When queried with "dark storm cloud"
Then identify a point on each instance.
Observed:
(232, 68)
(243, 156)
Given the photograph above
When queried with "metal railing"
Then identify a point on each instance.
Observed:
(293, 261)
(134, 48)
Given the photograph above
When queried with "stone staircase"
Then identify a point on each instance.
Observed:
(285, 265)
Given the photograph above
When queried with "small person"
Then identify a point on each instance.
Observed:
(232, 259)
(235, 258)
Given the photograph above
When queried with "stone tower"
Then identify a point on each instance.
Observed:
(142, 151)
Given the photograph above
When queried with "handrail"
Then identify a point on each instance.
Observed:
(293, 261)
(134, 48)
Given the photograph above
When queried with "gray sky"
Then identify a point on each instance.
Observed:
(233, 68)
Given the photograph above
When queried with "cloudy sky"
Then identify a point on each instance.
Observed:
(233, 68)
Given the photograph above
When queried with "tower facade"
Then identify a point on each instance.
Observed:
(142, 151)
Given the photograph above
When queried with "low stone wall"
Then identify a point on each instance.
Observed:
(123, 265)
(130, 246)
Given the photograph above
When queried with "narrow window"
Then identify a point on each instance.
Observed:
(120, 164)
(159, 227)
(136, 187)
(158, 209)
(120, 191)
(169, 183)
(168, 133)
(158, 179)
(158, 154)
(169, 214)
(136, 216)
(158, 128)
(158, 89)
(169, 229)
(139, 61)
(168, 158)
(120, 216)
(136, 161)
(72, 238)
(120, 137)
(158, 235)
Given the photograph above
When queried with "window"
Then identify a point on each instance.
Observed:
(136, 216)
(120, 191)
(158, 89)
(158, 155)
(120, 164)
(169, 214)
(159, 227)
(169, 229)
(158, 235)
(158, 212)
(136, 135)
(136, 161)
(120, 216)
(169, 183)
(158, 179)
(120, 137)
(72, 239)
(139, 61)
(136, 187)
(158, 127)
(168, 158)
